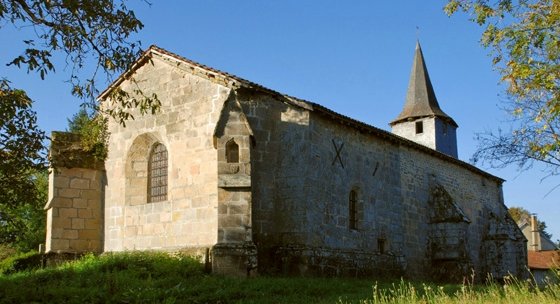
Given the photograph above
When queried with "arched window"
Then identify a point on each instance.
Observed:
(353, 210)
(232, 152)
(157, 174)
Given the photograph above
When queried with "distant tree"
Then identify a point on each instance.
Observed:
(93, 129)
(519, 214)
(24, 227)
(524, 38)
(79, 121)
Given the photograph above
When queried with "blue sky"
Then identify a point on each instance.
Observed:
(353, 57)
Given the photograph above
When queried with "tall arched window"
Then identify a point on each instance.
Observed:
(353, 210)
(232, 151)
(157, 174)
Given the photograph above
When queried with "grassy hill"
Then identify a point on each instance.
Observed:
(162, 278)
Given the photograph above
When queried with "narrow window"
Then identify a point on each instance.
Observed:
(444, 129)
(232, 152)
(381, 245)
(419, 127)
(157, 174)
(353, 210)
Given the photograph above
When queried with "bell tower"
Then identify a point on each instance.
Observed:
(421, 119)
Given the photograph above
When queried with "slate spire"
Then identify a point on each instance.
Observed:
(421, 100)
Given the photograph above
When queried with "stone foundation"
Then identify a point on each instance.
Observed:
(238, 260)
(316, 261)
(53, 259)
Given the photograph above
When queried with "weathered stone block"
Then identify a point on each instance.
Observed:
(79, 183)
(92, 224)
(84, 213)
(68, 212)
(131, 231)
(88, 234)
(234, 181)
(62, 202)
(70, 234)
(77, 223)
(91, 194)
(62, 222)
(60, 244)
(69, 193)
(79, 203)
(61, 181)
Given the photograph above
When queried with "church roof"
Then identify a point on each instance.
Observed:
(233, 81)
(421, 99)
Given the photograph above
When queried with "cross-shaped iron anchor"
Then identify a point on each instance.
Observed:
(337, 149)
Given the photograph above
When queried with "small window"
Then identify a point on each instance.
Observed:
(232, 152)
(157, 174)
(381, 245)
(353, 210)
(444, 129)
(419, 127)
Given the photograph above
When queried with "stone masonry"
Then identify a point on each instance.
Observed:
(271, 184)
(75, 206)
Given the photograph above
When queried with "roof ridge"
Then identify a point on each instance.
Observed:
(302, 103)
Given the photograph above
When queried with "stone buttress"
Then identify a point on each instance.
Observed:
(75, 205)
(235, 252)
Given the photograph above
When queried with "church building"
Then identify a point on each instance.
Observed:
(253, 181)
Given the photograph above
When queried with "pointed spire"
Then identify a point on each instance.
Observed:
(420, 99)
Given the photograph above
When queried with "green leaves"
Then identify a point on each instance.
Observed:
(524, 40)
(35, 60)
(21, 140)
(22, 159)
(122, 102)
(89, 33)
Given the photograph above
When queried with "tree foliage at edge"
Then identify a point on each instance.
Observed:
(524, 39)
(22, 170)
(88, 33)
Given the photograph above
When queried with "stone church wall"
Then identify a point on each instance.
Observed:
(190, 108)
(305, 165)
(300, 206)
(476, 195)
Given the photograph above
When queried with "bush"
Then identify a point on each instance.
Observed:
(21, 262)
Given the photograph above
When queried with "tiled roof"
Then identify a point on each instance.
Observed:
(235, 81)
(543, 259)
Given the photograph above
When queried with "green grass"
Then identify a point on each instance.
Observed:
(161, 278)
